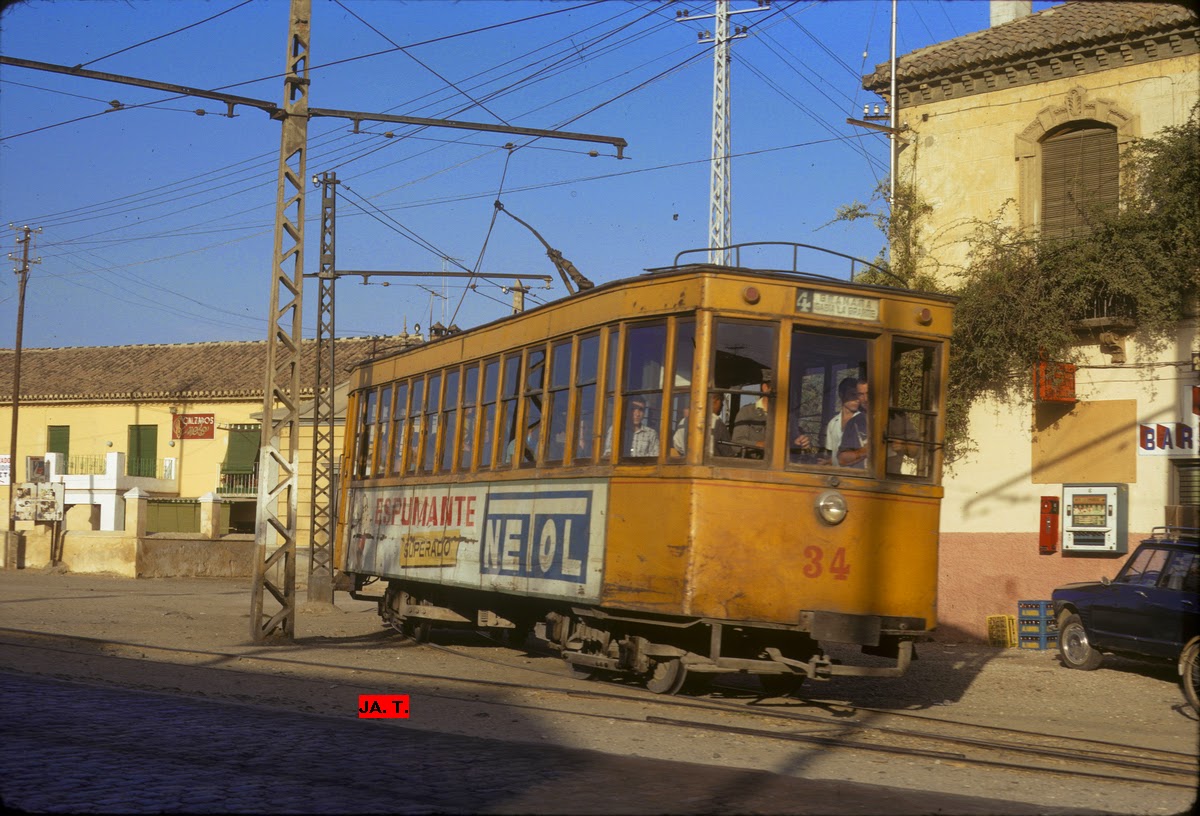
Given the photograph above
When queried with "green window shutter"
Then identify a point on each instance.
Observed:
(1080, 176)
(242, 454)
(143, 450)
(58, 439)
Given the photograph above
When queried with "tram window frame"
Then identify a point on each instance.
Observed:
(416, 414)
(638, 358)
(610, 412)
(382, 437)
(558, 399)
(449, 419)
(489, 420)
(586, 380)
(899, 426)
(399, 427)
(740, 387)
(367, 451)
(533, 401)
(833, 365)
(509, 405)
(432, 429)
(468, 419)
(683, 366)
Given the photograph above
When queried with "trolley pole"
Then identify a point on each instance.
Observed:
(25, 239)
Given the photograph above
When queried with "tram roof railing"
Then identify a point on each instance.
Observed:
(795, 247)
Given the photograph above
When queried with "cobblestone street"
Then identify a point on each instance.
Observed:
(77, 748)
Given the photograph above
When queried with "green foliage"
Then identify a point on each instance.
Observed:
(1021, 298)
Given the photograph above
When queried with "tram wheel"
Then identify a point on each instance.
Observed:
(781, 685)
(416, 629)
(667, 676)
(582, 672)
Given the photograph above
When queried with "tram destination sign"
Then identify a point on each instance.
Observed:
(811, 301)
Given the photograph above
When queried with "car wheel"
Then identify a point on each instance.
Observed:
(1077, 652)
(1189, 673)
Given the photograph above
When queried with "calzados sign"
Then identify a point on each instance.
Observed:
(192, 426)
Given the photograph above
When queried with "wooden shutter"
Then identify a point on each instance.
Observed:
(58, 439)
(1080, 175)
(143, 450)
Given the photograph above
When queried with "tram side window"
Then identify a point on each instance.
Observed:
(681, 388)
(366, 436)
(466, 448)
(743, 377)
(400, 427)
(641, 418)
(557, 396)
(449, 417)
(433, 397)
(385, 424)
(487, 435)
(509, 385)
(586, 369)
(911, 437)
(827, 382)
(610, 388)
(415, 423)
(535, 374)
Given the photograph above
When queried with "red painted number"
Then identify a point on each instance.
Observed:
(839, 567)
(815, 565)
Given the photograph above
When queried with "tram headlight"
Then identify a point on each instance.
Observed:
(831, 507)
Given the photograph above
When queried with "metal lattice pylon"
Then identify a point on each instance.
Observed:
(324, 493)
(278, 468)
(719, 208)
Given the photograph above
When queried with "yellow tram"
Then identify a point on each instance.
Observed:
(699, 470)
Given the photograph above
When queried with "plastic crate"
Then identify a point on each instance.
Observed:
(1002, 630)
(1035, 609)
(1036, 626)
(1042, 642)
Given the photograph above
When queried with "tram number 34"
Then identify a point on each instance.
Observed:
(815, 565)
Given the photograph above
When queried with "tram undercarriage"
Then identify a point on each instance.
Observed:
(667, 654)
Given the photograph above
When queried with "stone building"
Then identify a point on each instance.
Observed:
(1026, 122)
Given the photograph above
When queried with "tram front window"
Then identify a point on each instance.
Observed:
(825, 399)
(743, 379)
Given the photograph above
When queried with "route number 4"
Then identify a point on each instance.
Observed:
(815, 563)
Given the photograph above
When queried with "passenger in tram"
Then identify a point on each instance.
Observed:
(901, 449)
(850, 400)
(641, 439)
(853, 448)
(750, 424)
(717, 431)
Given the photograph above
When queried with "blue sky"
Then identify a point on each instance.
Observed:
(157, 223)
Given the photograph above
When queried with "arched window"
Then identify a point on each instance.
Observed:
(1080, 177)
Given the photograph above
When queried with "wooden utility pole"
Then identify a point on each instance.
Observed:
(25, 239)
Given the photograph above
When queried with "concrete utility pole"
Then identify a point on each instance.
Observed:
(25, 239)
(720, 208)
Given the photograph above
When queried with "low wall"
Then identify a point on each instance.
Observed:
(165, 555)
(180, 555)
(981, 574)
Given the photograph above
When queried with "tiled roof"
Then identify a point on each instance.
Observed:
(1088, 24)
(229, 370)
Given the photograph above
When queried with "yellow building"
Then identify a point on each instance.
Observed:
(1025, 122)
(180, 423)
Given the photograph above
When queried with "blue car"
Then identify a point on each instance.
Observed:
(1150, 610)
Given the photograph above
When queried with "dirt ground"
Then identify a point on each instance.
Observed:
(338, 652)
